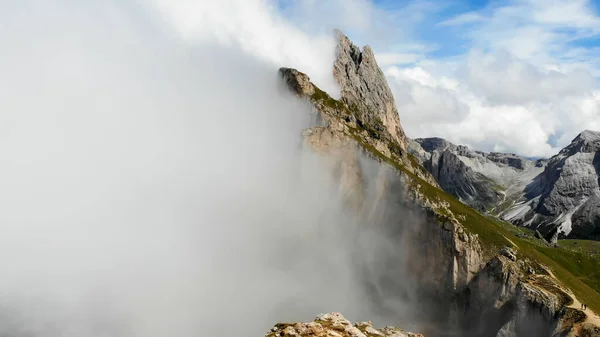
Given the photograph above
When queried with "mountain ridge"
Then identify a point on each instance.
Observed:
(480, 179)
(539, 199)
(466, 253)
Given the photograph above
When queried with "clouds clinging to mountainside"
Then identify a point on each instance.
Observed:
(516, 77)
(153, 186)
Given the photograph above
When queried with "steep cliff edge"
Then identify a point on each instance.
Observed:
(344, 120)
(461, 264)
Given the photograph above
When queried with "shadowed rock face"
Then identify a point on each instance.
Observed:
(565, 197)
(479, 179)
(458, 179)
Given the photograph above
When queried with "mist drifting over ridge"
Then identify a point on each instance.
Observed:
(153, 187)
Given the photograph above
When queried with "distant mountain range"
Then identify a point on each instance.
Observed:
(559, 196)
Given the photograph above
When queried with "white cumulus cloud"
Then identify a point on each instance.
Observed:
(522, 87)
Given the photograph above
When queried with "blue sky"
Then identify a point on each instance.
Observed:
(448, 41)
(430, 23)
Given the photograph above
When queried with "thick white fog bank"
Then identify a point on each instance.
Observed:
(260, 29)
(150, 187)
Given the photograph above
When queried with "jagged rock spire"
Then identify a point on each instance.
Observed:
(364, 85)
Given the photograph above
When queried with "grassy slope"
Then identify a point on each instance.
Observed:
(585, 246)
(579, 271)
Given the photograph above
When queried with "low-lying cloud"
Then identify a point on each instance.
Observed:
(152, 187)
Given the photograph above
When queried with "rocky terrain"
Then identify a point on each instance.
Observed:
(365, 90)
(466, 277)
(486, 181)
(565, 198)
(335, 325)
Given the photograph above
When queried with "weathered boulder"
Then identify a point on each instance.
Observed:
(510, 253)
(297, 81)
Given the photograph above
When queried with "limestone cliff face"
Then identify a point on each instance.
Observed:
(335, 325)
(453, 256)
(443, 258)
(452, 273)
(514, 297)
(344, 121)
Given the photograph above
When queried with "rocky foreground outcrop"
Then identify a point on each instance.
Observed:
(588, 330)
(463, 287)
(335, 325)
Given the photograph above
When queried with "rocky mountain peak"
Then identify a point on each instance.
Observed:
(565, 197)
(364, 88)
(587, 142)
(365, 115)
(589, 134)
(434, 144)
